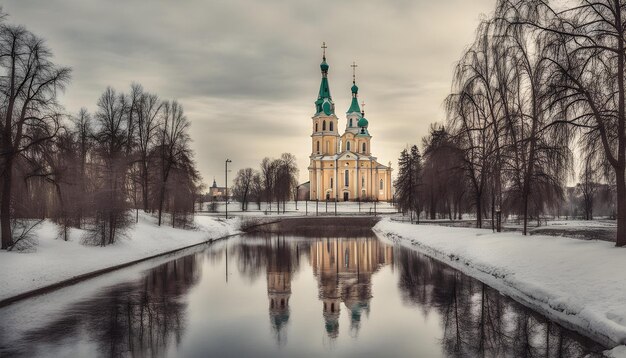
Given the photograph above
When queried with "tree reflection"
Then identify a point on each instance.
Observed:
(138, 319)
(479, 322)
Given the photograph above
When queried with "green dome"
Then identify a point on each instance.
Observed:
(355, 89)
(362, 122)
(324, 66)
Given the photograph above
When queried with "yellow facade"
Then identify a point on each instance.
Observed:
(343, 167)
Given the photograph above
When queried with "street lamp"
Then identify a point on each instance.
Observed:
(226, 183)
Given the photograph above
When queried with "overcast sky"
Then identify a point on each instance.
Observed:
(247, 72)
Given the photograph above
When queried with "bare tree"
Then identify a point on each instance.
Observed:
(148, 110)
(588, 64)
(111, 134)
(268, 179)
(83, 129)
(242, 187)
(28, 90)
(173, 145)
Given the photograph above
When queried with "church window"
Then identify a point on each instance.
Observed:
(362, 181)
(316, 126)
(381, 184)
(364, 148)
(347, 178)
(318, 147)
(324, 125)
(350, 122)
(331, 183)
(348, 145)
(331, 126)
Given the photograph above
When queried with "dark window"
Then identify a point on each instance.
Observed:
(347, 178)
(331, 126)
(350, 122)
(324, 125)
(381, 184)
(318, 147)
(316, 127)
(363, 147)
(348, 145)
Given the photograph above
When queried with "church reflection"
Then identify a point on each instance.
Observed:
(279, 272)
(343, 269)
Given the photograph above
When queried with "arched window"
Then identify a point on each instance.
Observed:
(324, 125)
(331, 126)
(331, 182)
(348, 145)
(350, 122)
(318, 147)
(347, 178)
(316, 126)
(381, 184)
(363, 147)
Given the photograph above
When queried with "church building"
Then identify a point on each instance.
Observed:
(342, 166)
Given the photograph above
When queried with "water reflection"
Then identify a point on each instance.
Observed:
(138, 319)
(150, 316)
(344, 269)
(478, 321)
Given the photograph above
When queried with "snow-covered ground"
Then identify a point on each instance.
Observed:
(55, 260)
(580, 284)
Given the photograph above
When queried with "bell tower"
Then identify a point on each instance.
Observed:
(324, 132)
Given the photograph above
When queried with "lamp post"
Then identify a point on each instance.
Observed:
(226, 183)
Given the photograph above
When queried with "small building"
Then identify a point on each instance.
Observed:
(217, 193)
(303, 191)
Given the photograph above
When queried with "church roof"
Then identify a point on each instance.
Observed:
(324, 103)
(354, 106)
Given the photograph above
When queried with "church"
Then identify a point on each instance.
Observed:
(342, 166)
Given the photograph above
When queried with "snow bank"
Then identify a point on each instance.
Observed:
(56, 260)
(580, 284)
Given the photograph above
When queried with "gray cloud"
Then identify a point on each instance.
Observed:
(247, 72)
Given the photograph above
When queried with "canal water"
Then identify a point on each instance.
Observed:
(285, 296)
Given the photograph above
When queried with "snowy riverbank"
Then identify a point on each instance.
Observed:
(580, 284)
(55, 260)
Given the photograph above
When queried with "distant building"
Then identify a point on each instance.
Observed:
(304, 190)
(343, 167)
(217, 193)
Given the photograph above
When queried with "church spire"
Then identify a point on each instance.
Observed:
(324, 101)
(354, 105)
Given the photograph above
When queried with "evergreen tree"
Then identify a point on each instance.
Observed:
(416, 169)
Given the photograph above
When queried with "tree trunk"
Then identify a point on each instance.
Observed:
(525, 199)
(5, 206)
(144, 192)
(479, 212)
(621, 207)
(161, 199)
